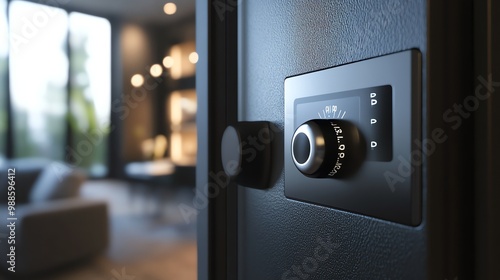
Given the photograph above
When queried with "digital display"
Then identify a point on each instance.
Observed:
(339, 108)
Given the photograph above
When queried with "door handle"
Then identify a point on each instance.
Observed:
(246, 153)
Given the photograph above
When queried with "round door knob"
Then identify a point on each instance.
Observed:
(327, 148)
(246, 153)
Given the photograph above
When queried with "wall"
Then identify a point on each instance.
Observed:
(143, 108)
(137, 56)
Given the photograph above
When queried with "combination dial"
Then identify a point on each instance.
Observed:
(331, 148)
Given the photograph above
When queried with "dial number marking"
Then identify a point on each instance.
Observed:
(341, 147)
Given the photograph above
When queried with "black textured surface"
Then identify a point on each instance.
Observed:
(285, 38)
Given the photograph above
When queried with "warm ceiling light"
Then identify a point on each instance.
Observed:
(156, 70)
(170, 8)
(176, 108)
(193, 57)
(168, 62)
(179, 63)
(137, 80)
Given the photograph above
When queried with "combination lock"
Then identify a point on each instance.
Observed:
(324, 148)
(350, 137)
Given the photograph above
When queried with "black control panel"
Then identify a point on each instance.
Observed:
(349, 137)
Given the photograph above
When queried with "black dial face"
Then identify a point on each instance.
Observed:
(327, 148)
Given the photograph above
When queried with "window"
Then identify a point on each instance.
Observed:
(4, 45)
(90, 90)
(38, 79)
(60, 84)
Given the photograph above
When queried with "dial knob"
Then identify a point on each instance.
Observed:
(328, 148)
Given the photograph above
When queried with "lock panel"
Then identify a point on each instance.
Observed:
(369, 108)
(381, 98)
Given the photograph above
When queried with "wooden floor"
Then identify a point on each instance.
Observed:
(177, 263)
(149, 238)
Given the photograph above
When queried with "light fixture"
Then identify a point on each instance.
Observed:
(175, 108)
(179, 63)
(156, 70)
(168, 62)
(193, 57)
(137, 80)
(170, 8)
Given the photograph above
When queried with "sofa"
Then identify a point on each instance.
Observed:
(54, 226)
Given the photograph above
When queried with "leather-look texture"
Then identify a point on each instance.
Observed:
(287, 239)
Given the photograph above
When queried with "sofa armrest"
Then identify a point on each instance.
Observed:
(57, 232)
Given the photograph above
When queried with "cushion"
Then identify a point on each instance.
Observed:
(27, 171)
(57, 180)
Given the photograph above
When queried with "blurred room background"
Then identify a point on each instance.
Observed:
(98, 116)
